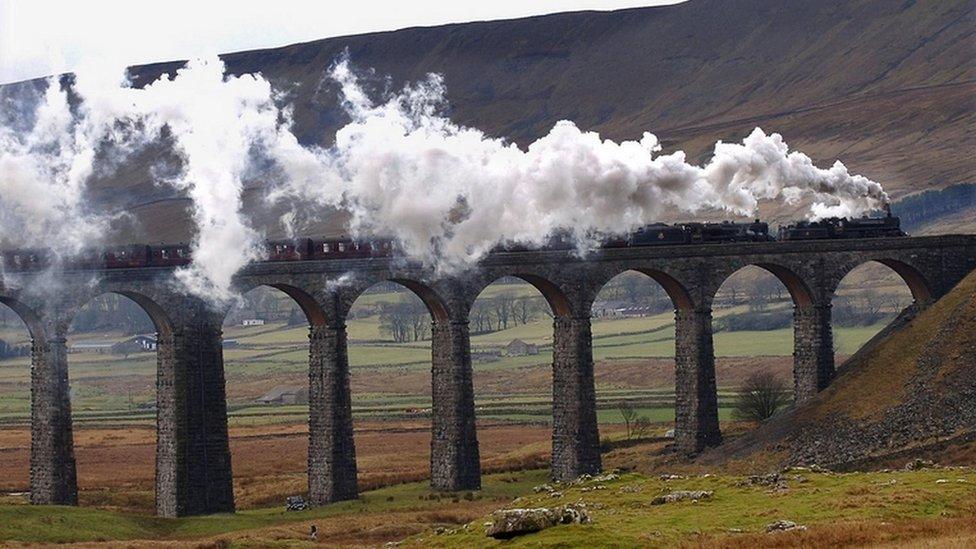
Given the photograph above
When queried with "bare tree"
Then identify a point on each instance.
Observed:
(629, 414)
(405, 321)
(760, 397)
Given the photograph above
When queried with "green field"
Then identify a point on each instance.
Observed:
(620, 511)
(121, 388)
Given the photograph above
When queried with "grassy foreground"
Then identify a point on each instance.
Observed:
(880, 506)
(896, 504)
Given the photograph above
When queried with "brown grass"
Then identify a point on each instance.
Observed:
(115, 466)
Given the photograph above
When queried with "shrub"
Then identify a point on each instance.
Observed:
(761, 396)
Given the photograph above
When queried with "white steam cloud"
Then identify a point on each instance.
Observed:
(450, 194)
(447, 193)
(43, 171)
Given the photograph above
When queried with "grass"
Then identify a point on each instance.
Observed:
(623, 517)
(53, 524)
(620, 511)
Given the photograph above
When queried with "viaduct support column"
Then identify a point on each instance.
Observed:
(454, 457)
(696, 398)
(575, 438)
(53, 479)
(813, 351)
(193, 469)
(331, 450)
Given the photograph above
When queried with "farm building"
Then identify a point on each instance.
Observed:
(252, 322)
(520, 348)
(100, 347)
(285, 394)
(137, 344)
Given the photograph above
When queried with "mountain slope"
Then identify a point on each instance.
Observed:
(887, 86)
(913, 391)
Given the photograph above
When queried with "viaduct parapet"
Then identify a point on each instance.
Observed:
(193, 464)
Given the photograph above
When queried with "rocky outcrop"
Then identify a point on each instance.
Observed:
(509, 523)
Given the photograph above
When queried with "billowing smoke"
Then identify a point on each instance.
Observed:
(45, 162)
(450, 194)
(214, 123)
(447, 193)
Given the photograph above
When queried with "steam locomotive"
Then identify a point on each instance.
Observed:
(305, 249)
(836, 227)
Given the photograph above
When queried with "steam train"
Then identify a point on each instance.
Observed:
(305, 249)
(840, 228)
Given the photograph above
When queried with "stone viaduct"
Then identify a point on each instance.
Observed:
(193, 465)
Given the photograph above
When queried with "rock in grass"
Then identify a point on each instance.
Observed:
(509, 523)
(683, 495)
(783, 525)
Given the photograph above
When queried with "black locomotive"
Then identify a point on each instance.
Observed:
(840, 228)
(660, 234)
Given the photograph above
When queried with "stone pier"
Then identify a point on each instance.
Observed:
(53, 480)
(575, 438)
(454, 456)
(331, 450)
(696, 397)
(813, 351)
(193, 468)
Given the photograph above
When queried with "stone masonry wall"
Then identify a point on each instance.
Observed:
(813, 354)
(575, 438)
(696, 397)
(331, 451)
(454, 456)
(53, 477)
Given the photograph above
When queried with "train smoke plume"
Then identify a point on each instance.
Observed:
(450, 194)
(447, 193)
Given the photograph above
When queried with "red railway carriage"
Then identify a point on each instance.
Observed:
(125, 257)
(289, 250)
(345, 248)
(25, 260)
(169, 255)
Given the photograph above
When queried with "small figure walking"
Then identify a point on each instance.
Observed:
(313, 533)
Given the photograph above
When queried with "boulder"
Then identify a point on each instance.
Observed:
(509, 523)
(683, 495)
(783, 525)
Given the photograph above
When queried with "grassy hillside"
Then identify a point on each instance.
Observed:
(915, 390)
(886, 86)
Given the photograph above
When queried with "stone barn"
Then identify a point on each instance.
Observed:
(520, 348)
(284, 395)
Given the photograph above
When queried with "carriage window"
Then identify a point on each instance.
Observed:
(342, 247)
(325, 247)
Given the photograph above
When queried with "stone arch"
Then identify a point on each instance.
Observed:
(435, 304)
(917, 283)
(799, 290)
(679, 294)
(558, 301)
(433, 300)
(159, 317)
(313, 311)
(164, 325)
(29, 317)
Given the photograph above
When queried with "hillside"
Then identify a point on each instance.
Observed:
(913, 394)
(888, 87)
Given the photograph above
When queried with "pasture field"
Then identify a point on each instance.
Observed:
(928, 508)
(396, 375)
